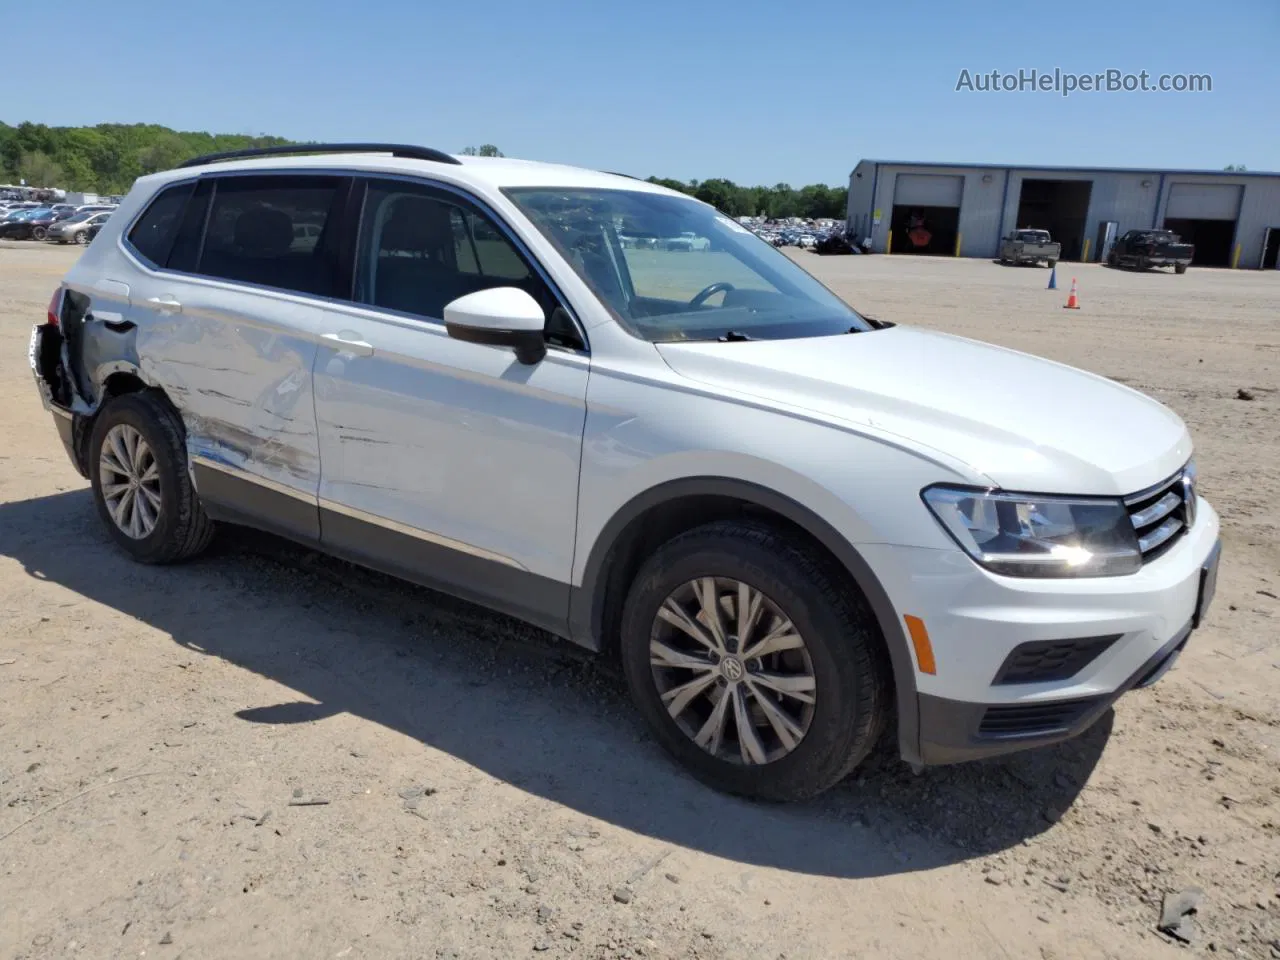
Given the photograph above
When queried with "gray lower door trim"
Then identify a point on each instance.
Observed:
(436, 538)
(355, 514)
(241, 474)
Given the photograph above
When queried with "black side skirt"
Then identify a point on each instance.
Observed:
(538, 600)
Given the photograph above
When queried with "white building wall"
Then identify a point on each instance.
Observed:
(989, 202)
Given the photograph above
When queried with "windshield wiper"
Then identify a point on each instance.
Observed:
(734, 336)
(875, 324)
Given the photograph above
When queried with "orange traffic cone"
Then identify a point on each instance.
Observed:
(1073, 302)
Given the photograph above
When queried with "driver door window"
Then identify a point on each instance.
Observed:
(421, 249)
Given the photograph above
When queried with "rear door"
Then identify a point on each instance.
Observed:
(228, 318)
(445, 461)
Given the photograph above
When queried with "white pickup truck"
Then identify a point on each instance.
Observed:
(1030, 246)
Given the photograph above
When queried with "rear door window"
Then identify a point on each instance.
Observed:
(152, 236)
(271, 231)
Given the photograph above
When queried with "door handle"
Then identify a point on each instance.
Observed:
(341, 343)
(165, 304)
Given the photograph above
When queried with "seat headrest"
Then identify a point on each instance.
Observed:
(418, 225)
(264, 232)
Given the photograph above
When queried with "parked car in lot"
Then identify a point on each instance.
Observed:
(21, 224)
(1143, 249)
(686, 241)
(795, 527)
(75, 229)
(1030, 246)
(40, 223)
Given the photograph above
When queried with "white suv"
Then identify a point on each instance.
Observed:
(790, 522)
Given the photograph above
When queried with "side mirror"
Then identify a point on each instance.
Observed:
(500, 317)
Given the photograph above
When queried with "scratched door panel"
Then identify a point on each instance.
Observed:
(237, 364)
(456, 439)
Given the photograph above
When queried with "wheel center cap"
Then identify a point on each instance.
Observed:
(731, 669)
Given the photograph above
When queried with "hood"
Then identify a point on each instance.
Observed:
(1019, 421)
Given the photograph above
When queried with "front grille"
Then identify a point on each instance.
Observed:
(1033, 719)
(1163, 513)
(1042, 661)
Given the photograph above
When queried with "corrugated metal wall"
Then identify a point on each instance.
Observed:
(1260, 209)
(860, 187)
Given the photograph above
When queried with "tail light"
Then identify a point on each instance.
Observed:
(55, 306)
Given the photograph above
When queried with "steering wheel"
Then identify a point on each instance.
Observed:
(709, 291)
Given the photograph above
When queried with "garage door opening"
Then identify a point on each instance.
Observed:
(1059, 206)
(1205, 214)
(1212, 239)
(926, 213)
(925, 230)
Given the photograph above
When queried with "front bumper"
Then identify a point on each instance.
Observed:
(1023, 663)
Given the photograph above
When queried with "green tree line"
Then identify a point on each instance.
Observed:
(776, 202)
(107, 158)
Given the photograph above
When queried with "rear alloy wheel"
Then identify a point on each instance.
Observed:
(138, 468)
(754, 661)
(130, 481)
(39, 233)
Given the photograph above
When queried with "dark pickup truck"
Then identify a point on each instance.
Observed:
(1151, 248)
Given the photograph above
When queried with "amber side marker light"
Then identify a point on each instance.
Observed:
(920, 640)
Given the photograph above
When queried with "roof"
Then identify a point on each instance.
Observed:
(1065, 169)
(488, 171)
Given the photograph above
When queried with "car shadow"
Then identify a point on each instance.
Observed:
(524, 707)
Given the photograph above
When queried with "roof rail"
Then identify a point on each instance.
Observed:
(395, 149)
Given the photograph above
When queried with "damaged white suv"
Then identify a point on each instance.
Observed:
(792, 523)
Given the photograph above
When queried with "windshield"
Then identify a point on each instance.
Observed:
(81, 217)
(671, 268)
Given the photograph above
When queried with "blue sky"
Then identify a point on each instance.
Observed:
(759, 91)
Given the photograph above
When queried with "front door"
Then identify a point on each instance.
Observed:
(1271, 249)
(449, 462)
(1106, 239)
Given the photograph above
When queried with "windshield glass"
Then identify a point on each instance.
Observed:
(671, 268)
(80, 217)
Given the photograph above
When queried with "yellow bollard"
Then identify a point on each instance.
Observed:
(958, 238)
(888, 242)
(1084, 257)
(1235, 258)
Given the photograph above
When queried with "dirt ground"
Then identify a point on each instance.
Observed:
(490, 792)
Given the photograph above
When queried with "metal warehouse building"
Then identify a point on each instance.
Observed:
(964, 209)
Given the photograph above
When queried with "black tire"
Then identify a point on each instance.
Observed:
(39, 233)
(851, 695)
(1179, 268)
(182, 528)
(82, 237)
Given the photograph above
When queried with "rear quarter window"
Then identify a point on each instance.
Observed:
(153, 234)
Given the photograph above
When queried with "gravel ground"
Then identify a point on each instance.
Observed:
(268, 753)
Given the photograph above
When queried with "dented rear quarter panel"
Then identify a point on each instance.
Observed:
(235, 362)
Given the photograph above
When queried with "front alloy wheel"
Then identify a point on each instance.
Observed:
(130, 481)
(732, 670)
(753, 660)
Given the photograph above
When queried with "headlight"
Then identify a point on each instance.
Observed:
(1020, 535)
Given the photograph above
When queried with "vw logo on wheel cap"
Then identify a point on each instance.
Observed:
(731, 669)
